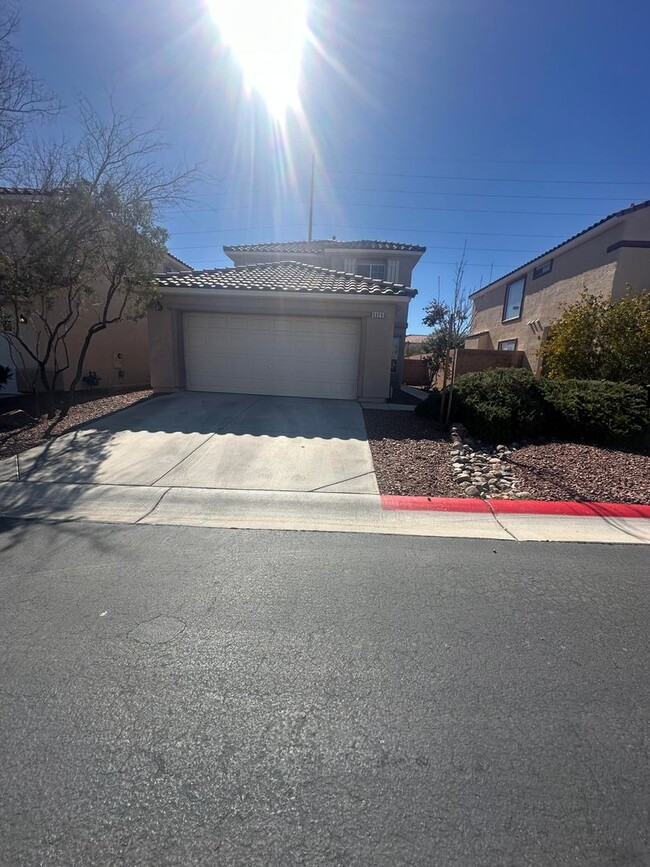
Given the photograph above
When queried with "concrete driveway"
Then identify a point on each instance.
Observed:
(200, 440)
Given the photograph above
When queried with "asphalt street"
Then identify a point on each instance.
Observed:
(175, 695)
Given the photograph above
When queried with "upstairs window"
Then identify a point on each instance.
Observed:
(374, 270)
(514, 300)
(546, 268)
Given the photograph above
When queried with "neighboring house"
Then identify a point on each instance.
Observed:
(515, 312)
(119, 355)
(413, 344)
(280, 328)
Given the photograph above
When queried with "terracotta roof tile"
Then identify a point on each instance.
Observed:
(284, 277)
(320, 246)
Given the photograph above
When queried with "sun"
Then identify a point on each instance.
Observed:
(267, 38)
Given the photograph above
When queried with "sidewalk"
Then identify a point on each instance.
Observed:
(340, 513)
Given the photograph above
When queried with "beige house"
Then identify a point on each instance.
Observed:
(515, 312)
(118, 355)
(281, 328)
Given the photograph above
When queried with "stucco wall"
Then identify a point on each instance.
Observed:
(586, 266)
(128, 338)
(166, 336)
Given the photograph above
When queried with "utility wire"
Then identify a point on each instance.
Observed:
(415, 208)
(277, 191)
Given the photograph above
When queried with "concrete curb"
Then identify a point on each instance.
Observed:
(279, 510)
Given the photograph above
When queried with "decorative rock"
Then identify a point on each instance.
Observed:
(472, 491)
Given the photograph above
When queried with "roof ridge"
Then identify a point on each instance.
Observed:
(320, 244)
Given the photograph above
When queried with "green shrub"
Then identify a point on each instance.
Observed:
(500, 404)
(600, 412)
(430, 408)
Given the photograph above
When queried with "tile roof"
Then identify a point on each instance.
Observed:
(285, 277)
(20, 191)
(622, 213)
(180, 261)
(320, 246)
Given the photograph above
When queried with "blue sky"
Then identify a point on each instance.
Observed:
(509, 125)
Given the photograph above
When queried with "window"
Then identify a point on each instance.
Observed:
(508, 345)
(374, 270)
(514, 300)
(546, 268)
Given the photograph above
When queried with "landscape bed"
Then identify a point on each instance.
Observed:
(88, 407)
(412, 457)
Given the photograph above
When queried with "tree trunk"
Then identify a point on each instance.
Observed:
(48, 391)
(82, 356)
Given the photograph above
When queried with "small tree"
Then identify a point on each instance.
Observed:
(89, 241)
(450, 326)
(595, 339)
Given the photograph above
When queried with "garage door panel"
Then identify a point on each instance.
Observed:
(295, 356)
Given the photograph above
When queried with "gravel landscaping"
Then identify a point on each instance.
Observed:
(413, 457)
(571, 471)
(88, 407)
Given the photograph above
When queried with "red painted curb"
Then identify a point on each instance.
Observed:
(544, 507)
(514, 507)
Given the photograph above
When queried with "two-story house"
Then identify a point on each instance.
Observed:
(389, 261)
(515, 311)
(322, 319)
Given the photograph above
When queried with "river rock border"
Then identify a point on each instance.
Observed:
(482, 470)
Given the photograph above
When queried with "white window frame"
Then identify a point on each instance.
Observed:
(506, 301)
(504, 348)
(370, 266)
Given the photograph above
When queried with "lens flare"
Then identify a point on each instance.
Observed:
(267, 38)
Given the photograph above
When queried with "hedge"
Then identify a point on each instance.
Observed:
(508, 404)
(598, 411)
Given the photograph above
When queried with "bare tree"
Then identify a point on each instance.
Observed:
(450, 325)
(81, 253)
(23, 98)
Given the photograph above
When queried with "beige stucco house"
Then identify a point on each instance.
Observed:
(515, 312)
(118, 355)
(285, 327)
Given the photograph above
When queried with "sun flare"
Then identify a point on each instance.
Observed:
(267, 38)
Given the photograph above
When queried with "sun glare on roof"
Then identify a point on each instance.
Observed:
(267, 38)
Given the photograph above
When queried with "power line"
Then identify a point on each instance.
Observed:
(504, 161)
(279, 191)
(420, 208)
(491, 180)
(435, 247)
(327, 172)
(383, 229)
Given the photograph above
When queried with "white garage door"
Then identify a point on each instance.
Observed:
(284, 355)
